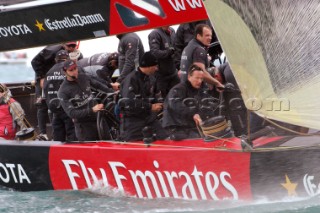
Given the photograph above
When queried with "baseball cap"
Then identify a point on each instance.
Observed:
(62, 54)
(69, 65)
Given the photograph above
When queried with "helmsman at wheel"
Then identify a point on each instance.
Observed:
(76, 98)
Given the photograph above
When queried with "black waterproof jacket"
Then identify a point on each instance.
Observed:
(195, 51)
(130, 50)
(76, 97)
(52, 82)
(96, 67)
(161, 46)
(183, 102)
(45, 59)
(233, 102)
(185, 33)
(137, 94)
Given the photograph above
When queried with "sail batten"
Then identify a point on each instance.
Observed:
(273, 49)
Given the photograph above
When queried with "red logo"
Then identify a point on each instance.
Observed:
(153, 173)
(134, 15)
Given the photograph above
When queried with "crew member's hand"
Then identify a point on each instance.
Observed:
(156, 107)
(98, 107)
(209, 57)
(219, 86)
(41, 82)
(115, 86)
(171, 50)
(197, 119)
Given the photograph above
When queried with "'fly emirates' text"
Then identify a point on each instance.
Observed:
(163, 183)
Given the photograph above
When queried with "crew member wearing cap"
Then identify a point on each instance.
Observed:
(62, 124)
(138, 105)
(76, 99)
(74, 52)
(186, 105)
(41, 64)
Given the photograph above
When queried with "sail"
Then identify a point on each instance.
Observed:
(30, 23)
(273, 49)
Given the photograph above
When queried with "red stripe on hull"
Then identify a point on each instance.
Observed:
(190, 173)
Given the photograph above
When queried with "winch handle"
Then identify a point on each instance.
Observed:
(229, 87)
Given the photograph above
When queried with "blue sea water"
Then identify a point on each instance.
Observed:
(10, 73)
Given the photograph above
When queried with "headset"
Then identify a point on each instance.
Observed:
(71, 76)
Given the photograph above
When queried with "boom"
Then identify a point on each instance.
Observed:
(31, 24)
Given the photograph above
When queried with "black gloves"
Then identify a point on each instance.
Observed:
(171, 50)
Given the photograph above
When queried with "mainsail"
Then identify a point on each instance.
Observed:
(273, 49)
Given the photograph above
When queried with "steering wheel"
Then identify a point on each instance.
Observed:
(103, 127)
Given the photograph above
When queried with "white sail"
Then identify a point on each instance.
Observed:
(273, 49)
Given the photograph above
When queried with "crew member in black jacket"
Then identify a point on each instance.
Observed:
(41, 64)
(196, 53)
(77, 101)
(185, 33)
(187, 104)
(101, 66)
(130, 50)
(161, 46)
(62, 124)
(138, 104)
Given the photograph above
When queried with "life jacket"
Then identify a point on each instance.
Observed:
(7, 130)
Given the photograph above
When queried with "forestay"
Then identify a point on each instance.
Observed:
(273, 49)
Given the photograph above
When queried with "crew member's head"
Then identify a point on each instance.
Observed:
(166, 29)
(3, 88)
(195, 76)
(71, 70)
(4, 94)
(203, 33)
(113, 61)
(148, 63)
(70, 46)
(62, 55)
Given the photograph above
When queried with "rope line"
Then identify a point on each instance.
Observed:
(278, 148)
(290, 130)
